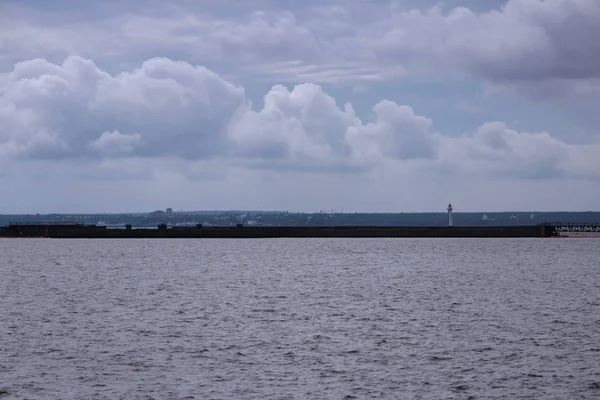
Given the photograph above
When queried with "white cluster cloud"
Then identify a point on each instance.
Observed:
(168, 109)
(495, 150)
(164, 108)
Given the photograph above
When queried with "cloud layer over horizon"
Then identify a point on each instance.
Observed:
(294, 108)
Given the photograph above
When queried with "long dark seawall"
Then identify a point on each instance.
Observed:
(283, 232)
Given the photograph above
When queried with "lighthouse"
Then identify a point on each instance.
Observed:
(450, 223)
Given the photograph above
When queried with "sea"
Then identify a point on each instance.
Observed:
(300, 319)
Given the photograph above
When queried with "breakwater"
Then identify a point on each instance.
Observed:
(248, 232)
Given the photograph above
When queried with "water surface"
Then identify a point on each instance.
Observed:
(300, 319)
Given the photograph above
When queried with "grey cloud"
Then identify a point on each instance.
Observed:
(132, 35)
(516, 44)
(116, 143)
(524, 41)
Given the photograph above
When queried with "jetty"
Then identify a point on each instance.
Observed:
(81, 231)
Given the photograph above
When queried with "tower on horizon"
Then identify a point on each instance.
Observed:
(450, 223)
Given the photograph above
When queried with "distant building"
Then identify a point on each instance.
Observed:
(169, 212)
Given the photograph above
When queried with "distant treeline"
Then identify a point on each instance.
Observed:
(269, 218)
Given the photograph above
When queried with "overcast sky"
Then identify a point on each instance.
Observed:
(299, 105)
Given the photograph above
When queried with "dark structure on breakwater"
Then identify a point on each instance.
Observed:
(569, 227)
(74, 230)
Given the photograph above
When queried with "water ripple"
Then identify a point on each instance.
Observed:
(300, 319)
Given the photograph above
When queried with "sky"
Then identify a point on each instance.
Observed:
(299, 105)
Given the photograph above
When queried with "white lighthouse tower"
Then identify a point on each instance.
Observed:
(450, 223)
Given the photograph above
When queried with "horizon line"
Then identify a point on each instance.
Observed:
(301, 212)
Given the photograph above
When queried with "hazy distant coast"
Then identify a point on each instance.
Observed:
(277, 218)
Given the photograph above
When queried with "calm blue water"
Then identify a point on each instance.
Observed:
(300, 319)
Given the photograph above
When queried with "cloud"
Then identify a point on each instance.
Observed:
(116, 142)
(178, 110)
(397, 133)
(173, 110)
(303, 126)
(67, 110)
(494, 150)
(259, 100)
(532, 46)
(524, 40)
